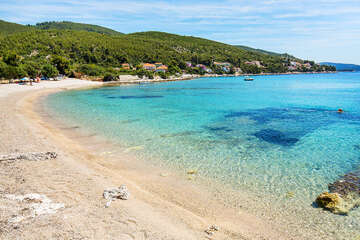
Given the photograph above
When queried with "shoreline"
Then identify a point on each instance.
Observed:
(133, 79)
(187, 77)
(179, 223)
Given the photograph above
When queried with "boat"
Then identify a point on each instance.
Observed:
(247, 78)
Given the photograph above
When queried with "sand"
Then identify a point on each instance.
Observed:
(160, 205)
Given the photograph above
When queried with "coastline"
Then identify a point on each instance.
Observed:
(78, 177)
(129, 79)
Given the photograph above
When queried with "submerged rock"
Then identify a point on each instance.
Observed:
(350, 183)
(344, 194)
(290, 194)
(332, 202)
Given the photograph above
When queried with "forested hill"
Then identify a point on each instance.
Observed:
(65, 25)
(9, 28)
(267, 52)
(87, 52)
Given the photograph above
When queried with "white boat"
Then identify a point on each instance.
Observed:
(247, 78)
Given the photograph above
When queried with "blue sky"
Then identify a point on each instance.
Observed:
(321, 30)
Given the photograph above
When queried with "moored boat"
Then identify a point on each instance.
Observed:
(247, 78)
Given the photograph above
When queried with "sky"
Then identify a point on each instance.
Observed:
(320, 30)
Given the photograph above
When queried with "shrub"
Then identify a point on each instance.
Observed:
(91, 70)
(163, 75)
(149, 75)
(109, 77)
(141, 73)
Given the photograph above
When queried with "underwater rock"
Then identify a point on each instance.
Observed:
(290, 194)
(344, 194)
(276, 137)
(332, 202)
(350, 183)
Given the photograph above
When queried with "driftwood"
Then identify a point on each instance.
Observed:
(33, 156)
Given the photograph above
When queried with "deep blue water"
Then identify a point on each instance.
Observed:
(275, 134)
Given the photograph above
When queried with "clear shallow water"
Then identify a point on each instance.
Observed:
(275, 135)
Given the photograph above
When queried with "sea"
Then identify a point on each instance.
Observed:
(279, 139)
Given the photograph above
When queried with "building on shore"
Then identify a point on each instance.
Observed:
(225, 66)
(149, 66)
(158, 64)
(162, 68)
(125, 66)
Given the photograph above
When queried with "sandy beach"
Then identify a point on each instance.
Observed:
(161, 206)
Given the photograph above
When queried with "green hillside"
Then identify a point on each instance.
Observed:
(65, 25)
(9, 28)
(284, 55)
(98, 54)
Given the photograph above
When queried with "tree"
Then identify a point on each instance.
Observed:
(49, 71)
(173, 69)
(11, 58)
(31, 69)
(91, 70)
(62, 64)
(3, 68)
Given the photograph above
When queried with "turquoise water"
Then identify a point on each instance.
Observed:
(275, 135)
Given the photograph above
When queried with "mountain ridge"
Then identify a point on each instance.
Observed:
(343, 66)
(68, 25)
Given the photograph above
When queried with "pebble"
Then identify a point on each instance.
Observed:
(192, 172)
(212, 229)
